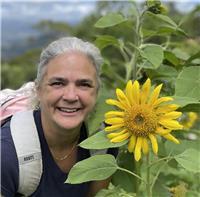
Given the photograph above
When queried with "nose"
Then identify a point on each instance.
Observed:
(70, 93)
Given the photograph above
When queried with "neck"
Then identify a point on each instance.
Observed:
(59, 138)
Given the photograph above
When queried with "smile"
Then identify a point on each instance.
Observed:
(68, 110)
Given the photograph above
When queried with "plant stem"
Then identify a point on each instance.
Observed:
(132, 173)
(148, 185)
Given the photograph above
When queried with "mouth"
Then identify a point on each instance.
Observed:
(68, 110)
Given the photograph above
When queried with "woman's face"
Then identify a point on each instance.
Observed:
(68, 91)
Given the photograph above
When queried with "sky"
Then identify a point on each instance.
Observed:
(19, 16)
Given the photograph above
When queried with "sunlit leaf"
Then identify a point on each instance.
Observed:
(99, 141)
(98, 167)
(110, 20)
(153, 53)
(106, 40)
(190, 160)
(188, 83)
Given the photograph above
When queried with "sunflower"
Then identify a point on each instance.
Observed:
(141, 117)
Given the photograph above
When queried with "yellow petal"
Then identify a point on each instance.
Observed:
(154, 143)
(116, 103)
(114, 120)
(121, 138)
(122, 97)
(138, 146)
(171, 138)
(112, 114)
(145, 146)
(129, 92)
(170, 124)
(145, 91)
(113, 127)
(136, 91)
(161, 100)
(155, 94)
(167, 108)
(162, 131)
(112, 135)
(131, 144)
(172, 115)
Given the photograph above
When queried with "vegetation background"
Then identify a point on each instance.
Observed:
(19, 59)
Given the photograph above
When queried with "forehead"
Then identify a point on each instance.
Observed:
(71, 65)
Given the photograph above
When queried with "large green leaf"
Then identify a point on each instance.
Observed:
(110, 20)
(163, 72)
(184, 101)
(153, 53)
(190, 160)
(99, 141)
(163, 18)
(188, 83)
(98, 167)
(176, 149)
(106, 40)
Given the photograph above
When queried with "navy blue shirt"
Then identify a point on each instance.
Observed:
(52, 180)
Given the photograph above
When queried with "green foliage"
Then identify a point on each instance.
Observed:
(98, 167)
(99, 141)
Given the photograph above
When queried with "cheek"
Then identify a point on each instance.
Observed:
(90, 99)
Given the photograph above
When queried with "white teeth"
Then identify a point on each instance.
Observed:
(68, 110)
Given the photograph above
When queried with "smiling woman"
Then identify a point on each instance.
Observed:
(66, 88)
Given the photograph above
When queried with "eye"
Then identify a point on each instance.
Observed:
(56, 84)
(86, 84)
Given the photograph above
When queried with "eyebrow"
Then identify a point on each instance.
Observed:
(84, 80)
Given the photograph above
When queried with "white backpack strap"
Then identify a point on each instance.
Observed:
(27, 145)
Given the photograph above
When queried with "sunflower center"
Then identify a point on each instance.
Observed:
(141, 120)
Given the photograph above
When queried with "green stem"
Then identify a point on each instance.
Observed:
(138, 42)
(148, 185)
(132, 173)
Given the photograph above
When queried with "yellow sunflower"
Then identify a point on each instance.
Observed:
(141, 116)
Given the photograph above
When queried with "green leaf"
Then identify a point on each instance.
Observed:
(184, 101)
(188, 83)
(193, 57)
(106, 40)
(153, 53)
(124, 179)
(180, 54)
(99, 141)
(194, 107)
(163, 72)
(190, 160)
(176, 149)
(110, 20)
(171, 58)
(98, 167)
(165, 19)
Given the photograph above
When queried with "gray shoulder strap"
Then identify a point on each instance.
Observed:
(27, 145)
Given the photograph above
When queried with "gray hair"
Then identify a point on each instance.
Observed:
(68, 44)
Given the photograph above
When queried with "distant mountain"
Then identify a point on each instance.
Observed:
(18, 19)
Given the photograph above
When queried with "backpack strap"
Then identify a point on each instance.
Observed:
(27, 145)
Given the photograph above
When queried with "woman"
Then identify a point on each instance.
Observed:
(66, 87)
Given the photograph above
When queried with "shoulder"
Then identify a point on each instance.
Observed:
(9, 162)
